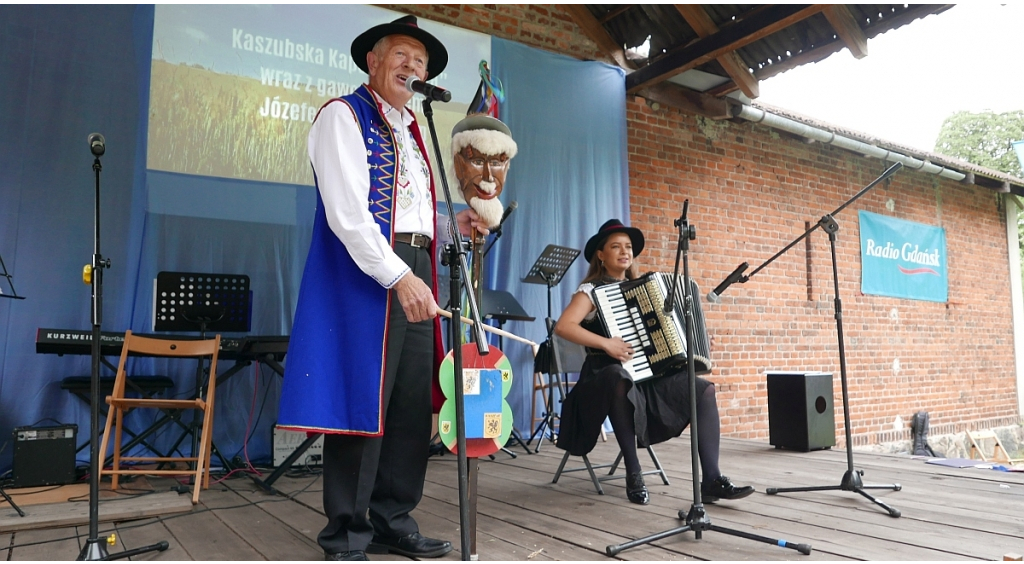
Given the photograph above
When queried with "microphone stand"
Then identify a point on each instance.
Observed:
(498, 231)
(455, 259)
(94, 548)
(696, 519)
(487, 249)
(851, 481)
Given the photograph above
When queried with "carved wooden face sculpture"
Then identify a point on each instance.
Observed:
(482, 149)
(480, 175)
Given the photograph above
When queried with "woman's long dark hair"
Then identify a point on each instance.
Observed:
(596, 270)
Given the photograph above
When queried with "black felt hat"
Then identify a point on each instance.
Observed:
(437, 55)
(613, 226)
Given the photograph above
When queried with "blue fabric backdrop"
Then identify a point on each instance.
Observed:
(67, 71)
(569, 119)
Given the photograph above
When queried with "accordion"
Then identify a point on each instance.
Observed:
(635, 311)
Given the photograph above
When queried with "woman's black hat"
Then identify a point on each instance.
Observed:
(613, 226)
(437, 55)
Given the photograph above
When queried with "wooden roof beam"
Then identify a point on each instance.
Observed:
(744, 32)
(738, 71)
(612, 14)
(593, 29)
(847, 28)
(670, 94)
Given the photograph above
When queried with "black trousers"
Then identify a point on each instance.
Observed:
(371, 484)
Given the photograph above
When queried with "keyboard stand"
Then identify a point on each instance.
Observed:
(267, 485)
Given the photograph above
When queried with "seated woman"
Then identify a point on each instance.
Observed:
(649, 412)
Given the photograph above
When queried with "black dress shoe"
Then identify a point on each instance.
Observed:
(349, 555)
(413, 546)
(722, 488)
(636, 490)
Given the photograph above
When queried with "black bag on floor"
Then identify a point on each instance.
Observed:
(919, 426)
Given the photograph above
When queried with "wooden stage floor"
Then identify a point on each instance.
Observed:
(947, 513)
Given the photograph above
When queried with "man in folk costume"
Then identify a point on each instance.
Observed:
(366, 343)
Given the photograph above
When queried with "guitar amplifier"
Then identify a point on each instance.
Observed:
(44, 456)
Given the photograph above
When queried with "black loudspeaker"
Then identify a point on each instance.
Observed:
(44, 456)
(801, 414)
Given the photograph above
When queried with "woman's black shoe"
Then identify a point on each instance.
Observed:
(636, 491)
(722, 488)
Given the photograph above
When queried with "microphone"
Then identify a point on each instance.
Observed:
(508, 211)
(414, 84)
(736, 276)
(97, 144)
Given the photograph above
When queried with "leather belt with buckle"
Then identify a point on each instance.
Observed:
(417, 240)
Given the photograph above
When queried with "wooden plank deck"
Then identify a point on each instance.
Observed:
(947, 513)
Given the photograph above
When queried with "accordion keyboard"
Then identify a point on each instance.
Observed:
(635, 311)
(621, 320)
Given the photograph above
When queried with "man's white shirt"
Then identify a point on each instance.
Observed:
(336, 151)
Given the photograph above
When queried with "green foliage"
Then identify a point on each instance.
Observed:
(983, 139)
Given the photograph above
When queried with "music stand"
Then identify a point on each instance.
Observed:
(191, 301)
(549, 268)
(503, 306)
(195, 301)
(10, 282)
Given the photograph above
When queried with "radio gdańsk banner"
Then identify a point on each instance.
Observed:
(902, 259)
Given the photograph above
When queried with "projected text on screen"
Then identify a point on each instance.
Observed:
(234, 88)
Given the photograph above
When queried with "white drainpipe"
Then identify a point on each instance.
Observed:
(756, 115)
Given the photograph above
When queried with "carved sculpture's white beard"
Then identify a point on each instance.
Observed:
(489, 211)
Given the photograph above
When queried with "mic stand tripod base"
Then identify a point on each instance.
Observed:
(851, 483)
(94, 549)
(698, 521)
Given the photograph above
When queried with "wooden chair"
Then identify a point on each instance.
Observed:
(999, 452)
(145, 386)
(120, 404)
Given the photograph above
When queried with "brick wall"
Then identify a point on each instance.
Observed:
(751, 192)
(544, 26)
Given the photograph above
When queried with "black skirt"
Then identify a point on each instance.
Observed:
(661, 406)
